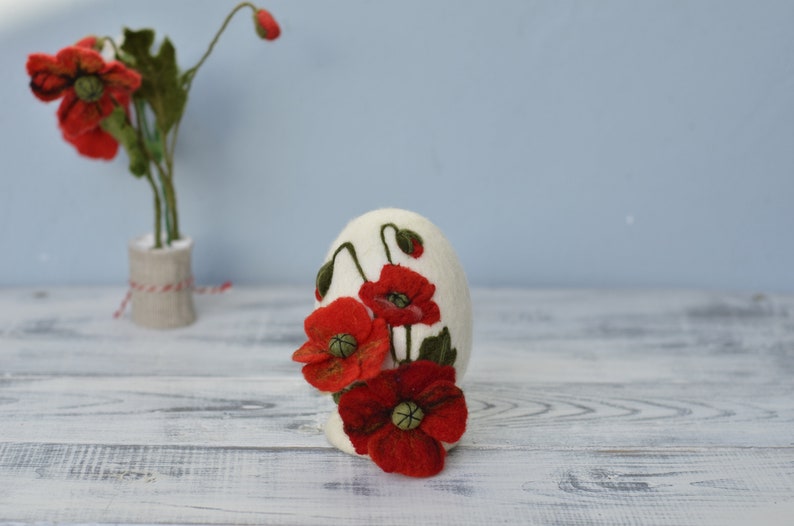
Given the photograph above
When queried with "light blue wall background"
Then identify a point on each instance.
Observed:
(557, 143)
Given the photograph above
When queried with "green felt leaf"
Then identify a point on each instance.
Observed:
(117, 125)
(161, 85)
(438, 349)
(337, 395)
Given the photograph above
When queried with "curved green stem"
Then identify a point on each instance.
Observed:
(350, 248)
(383, 239)
(116, 51)
(189, 74)
(169, 147)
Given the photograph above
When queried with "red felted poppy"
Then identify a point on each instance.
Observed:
(345, 345)
(401, 417)
(266, 25)
(401, 297)
(96, 143)
(91, 42)
(90, 87)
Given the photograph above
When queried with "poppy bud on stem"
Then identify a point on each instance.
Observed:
(270, 25)
(266, 25)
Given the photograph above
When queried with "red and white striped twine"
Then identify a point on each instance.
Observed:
(171, 287)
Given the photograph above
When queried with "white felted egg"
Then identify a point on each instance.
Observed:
(372, 258)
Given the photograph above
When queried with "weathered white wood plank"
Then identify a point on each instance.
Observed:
(624, 336)
(71, 332)
(282, 412)
(148, 484)
(535, 336)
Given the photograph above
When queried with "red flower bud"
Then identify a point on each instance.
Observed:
(266, 25)
(410, 242)
(91, 42)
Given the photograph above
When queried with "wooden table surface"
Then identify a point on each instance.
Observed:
(586, 407)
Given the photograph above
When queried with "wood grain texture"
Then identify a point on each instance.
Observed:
(270, 411)
(144, 484)
(586, 407)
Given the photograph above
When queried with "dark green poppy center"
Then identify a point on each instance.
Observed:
(398, 299)
(407, 416)
(89, 88)
(342, 345)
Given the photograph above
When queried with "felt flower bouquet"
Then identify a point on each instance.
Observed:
(402, 412)
(126, 94)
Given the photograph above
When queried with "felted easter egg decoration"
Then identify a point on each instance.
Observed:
(390, 338)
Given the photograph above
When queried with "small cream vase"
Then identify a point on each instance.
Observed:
(161, 283)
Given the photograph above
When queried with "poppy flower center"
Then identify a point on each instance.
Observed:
(89, 88)
(407, 416)
(398, 299)
(342, 345)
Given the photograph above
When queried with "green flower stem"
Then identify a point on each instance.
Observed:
(392, 350)
(168, 211)
(350, 248)
(189, 74)
(140, 117)
(157, 207)
(383, 239)
(407, 343)
(168, 177)
(168, 149)
(168, 154)
(169, 195)
(109, 40)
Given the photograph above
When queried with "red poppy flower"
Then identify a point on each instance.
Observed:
(401, 297)
(266, 25)
(344, 345)
(95, 143)
(91, 42)
(90, 87)
(401, 417)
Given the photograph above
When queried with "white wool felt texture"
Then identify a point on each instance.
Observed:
(438, 263)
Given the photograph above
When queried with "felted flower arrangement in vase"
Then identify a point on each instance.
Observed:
(125, 94)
